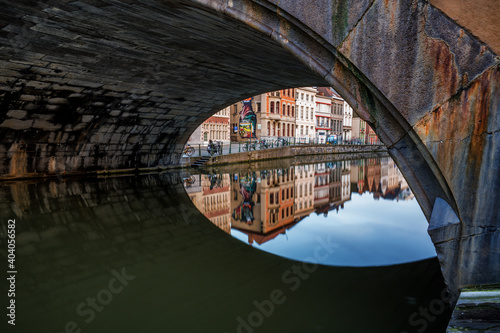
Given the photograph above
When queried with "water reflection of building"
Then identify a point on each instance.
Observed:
(381, 177)
(372, 183)
(392, 183)
(346, 181)
(321, 186)
(262, 203)
(304, 193)
(337, 191)
(335, 186)
(195, 191)
(210, 194)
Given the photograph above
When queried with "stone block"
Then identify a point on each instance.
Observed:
(38, 84)
(17, 114)
(87, 118)
(86, 84)
(444, 224)
(17, 124)
(45, 125)
(58, 100)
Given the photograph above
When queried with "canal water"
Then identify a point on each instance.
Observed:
(135, 254)
(363, 206)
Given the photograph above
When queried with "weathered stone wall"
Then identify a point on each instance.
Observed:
(430, 89)
(88, 86)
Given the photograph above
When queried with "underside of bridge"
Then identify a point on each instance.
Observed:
(98, 85)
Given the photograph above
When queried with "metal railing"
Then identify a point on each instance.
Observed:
(224, 148)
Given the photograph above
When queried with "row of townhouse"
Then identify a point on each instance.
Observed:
(307, 114)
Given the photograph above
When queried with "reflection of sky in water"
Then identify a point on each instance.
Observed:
(368, 233)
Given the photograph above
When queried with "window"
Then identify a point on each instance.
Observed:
(307, 130)
(258, 107)
(272, 107)
(293, 111)
(268, 128)
(284, 109)
(288, 111)
(277, 107)
(293, 132)
(301, 129)
(205, 136)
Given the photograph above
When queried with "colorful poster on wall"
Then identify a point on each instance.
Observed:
(248, 120)
(244, 212)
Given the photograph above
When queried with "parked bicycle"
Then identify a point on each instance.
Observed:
(280, 142)
(214, 147)
(249, 146)
(188, 150)
(263, 144)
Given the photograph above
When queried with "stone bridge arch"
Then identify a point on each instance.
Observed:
(94, 85)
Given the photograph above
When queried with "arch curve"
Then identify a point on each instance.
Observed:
(93, 86)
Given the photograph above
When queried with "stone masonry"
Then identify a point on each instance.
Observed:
(97, 85)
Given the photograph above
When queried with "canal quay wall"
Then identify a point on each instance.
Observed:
(287, 152)
(286, 162)
(477, 311)
(314, 154)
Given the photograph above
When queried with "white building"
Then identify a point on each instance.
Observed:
(305, 101)
(323, 116)
(347, 123)
(215, 128)
(337, 115)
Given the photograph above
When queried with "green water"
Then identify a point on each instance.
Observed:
(133, 254)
